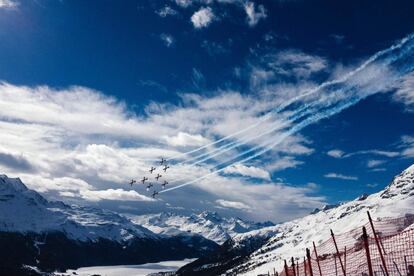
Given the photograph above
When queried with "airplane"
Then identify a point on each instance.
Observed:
(144, 179)
(149, 186)
(164, 184)
(163, 161)
(132, 182)
(165, 168)
(154, 194)
(152, 169)
(158, 176)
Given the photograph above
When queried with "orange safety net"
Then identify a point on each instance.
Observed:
(394, 240)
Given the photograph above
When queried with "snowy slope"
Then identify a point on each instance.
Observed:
(207, 224)
(291, 238)
(24, 210)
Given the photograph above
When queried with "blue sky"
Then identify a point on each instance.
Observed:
(93, 91)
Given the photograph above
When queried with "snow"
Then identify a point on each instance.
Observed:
(291, 238)
(207, 224)
(23, 210)
(131, 270)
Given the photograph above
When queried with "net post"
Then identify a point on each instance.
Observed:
(304, 266)
(378, 244)
(317, 259)
(366, 245)
(337, 253)
(293, 266)
(286, 269)
(345, 259)
(309, 261)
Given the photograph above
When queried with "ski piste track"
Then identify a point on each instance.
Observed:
(381, 247)
(333, 97)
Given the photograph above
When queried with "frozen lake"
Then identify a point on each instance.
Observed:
(130, 270)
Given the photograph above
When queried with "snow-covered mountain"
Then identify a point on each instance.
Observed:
(259, 251)
(23, 210)
(33, 232)
(207, 224)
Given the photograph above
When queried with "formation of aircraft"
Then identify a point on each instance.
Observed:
(165, 167)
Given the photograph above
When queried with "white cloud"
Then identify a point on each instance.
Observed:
(336, 153)
(379, 170)
(341, 176)
(184, 3)
(374, 163)
(300, 64)
(81, 142)
(8, 4)
(167, 39)
(166, 11)
(312, 186)
(405, 92)
(372, 185)
(254, 15)
(82, 134)
(202, 18)
(407, 145)
(113, 194)
(183, 139)
(250, 171)
(283, 163)
(232, 204)
(389, 154)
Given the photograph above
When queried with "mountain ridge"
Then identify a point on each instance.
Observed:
(242, 256)
(208, 224)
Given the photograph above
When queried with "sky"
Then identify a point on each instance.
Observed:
(264, 110)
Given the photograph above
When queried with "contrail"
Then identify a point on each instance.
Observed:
(266, 117)
(225, 148)
(303, 112)
(265, 144)
(294, 129)
(306, 122)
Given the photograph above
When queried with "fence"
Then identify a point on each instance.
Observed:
(383, 247)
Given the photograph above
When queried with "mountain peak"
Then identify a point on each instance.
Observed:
(212, 216)
(12, 183)
(403, 184)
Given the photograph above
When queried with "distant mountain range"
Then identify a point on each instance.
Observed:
(51, 235)
(210, 225)
(259, 251)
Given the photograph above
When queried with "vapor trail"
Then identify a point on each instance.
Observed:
(267, 116)
(303, 112)
(293, 130)
(312, 119)
(227, 147)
